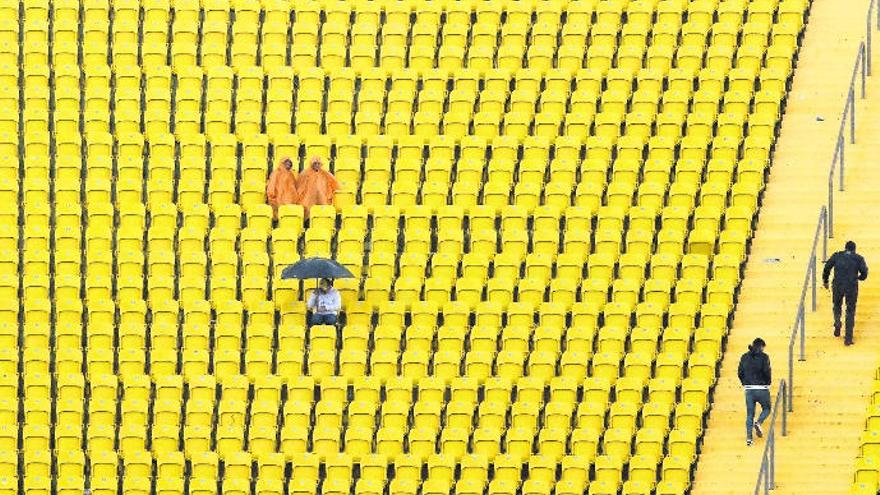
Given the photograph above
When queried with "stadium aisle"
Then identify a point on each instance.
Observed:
(827, 413)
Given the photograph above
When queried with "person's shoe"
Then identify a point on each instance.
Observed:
(848, 343)
(759, 431)
(837, 332)
(749, 442)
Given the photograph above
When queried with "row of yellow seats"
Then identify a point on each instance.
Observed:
(310, 83)
(387, 360)
(557, 195)
(532, 285)
(608, 243)
(409, 155)
(387, 365)
(484, 124)
(413, 364)
(593, 173)
(422, 51)
(227, 227)
(426, 26)
(502, 293)
(340, 468)
(491, 121)
(606, 125)
(737, 117)
(421, 440)
(471, 293)
(607, 262)
(439, 290)
(735, 106)
(602, 269)
(309, 13)
(142, 485)
(389, 335)
(217, 111)
(614, 336)
(588, 194)
(310, 86)
(484, 353)
(424, 31)
(560, 193)
(485, 218)
(648, 400)
(311, 80)
(227, 221)
(364, 57)
(631, 407)
(608, 248)
(102, 313)
(712, 228)
(496, 391)
(409, 158)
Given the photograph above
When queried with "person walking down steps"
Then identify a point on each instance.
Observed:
(755, 376)
(849, 269)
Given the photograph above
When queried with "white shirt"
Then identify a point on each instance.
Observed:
(325, 303)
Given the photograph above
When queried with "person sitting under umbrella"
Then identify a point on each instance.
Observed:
(325, 304)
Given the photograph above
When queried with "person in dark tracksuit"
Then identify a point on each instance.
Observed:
(849, 268)
(755, 375)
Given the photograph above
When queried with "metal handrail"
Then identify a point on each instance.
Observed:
(862, 66)
(810, 281)
(767, 474)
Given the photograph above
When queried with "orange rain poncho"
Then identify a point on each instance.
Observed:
(316, 187)
(281, 189)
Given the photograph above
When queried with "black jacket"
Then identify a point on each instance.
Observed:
(754, 368)
(849, 267)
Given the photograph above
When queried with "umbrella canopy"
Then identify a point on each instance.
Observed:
(316, 268)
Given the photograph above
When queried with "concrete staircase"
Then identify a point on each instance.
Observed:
(832, 385)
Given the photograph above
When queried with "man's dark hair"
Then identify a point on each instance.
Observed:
(850, 246)
(758, 342)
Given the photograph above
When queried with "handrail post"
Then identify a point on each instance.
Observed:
(790, 378)
(760, 477)
(824, 219)
(831, 206)
(784, 408)
(868, 36)
(852, 115)
(865, 62)
(803, 323)
(772, 474)
(813, 270)
(841, 155)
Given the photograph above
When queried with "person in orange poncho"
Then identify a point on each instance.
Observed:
(281, 189)
(316, 186)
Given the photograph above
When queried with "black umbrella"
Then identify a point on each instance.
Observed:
(316, 268)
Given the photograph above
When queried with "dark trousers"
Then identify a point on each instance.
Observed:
(756, 396)
(322, 319)
(851, 294)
